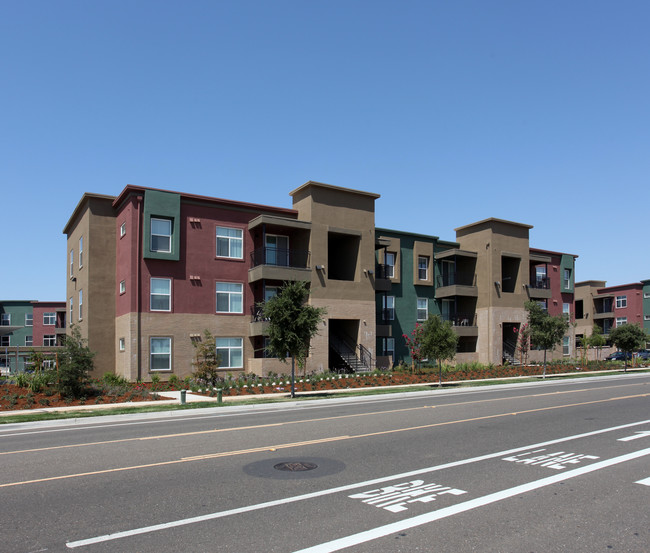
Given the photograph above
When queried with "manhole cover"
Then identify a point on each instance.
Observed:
(298, 466)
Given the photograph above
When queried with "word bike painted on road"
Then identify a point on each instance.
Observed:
(558, 460)
(396, 498)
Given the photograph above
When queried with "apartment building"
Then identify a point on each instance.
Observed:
(611, 306)
(150, 270)
(28, 326)
(479, 283)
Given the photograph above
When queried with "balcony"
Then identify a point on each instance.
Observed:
(456, 284)
(540, 288)
(270, 263)
(382, 278)
(259, 324)
(463, 323)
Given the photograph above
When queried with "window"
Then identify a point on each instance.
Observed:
(231, 352)
(160, 353)
(270, 292)
(71, 263)
(277, 250)
(161, 293)
(646, 295)
(230, 242)
(621, 302)
(389, 308)
(566, 310)
(161, 235)
(122, 344)
(567, 279)
(122, 229)
(230, 297)
(423, 309)
(81, 252)
(390, 265)
(620, 321)
(49, 340)
(71, 310)
(5, 319)
(389, 348)
(566, 345)
(29, 340)
(29, 319)
(4, 341)
(49, 318)
(81, 304)
(122, 286)
(423, 268)
(646, 317)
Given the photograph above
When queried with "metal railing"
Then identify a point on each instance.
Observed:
(540, 283)
(461, 318)
(457, 278)
(280, 257)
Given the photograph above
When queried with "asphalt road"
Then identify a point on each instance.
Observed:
(543, 467)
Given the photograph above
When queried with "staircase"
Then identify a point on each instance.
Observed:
(509, 350)
(350, 360)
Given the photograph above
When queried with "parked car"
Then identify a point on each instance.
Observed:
(618, 356)
(643, 354)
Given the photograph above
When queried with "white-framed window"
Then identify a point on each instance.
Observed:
(566, 310)
(160, 354)
(390, 265)
(161, 294)
(49, 318)
(123, 229)
(567, 279)
(230, 297)
(5, 319)
(621, 302)
(389, 348)
(122, 344)
(49, 340)
(71, 263)
(122, 286)
(231, 352)
(161, 235)
(71, 309)
(81, 252)
(646, 295)
(29, 340)
(566, 345)
(29, 319)
(423, 268)
(646, 317)
(621, 321)
(422, 309)
(388, 304)
(81, 304)
(230, 242)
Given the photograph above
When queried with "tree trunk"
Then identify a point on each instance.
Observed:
(293, 377)
(544, 372)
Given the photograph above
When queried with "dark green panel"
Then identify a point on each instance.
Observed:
(166, 206)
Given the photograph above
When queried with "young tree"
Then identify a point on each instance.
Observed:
(292, 325)
(75, 364)
(207, 361)
(438, 341)
(413, 342)
(596, 340)
(546, 331)
(523, 342)
(628, 338)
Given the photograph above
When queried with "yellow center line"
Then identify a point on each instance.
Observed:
(310, 442)
(302, 421)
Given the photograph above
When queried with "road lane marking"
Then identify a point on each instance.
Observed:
(330, 491)
(400, 526)
(645, 482)
(322, 440)
(636, 436)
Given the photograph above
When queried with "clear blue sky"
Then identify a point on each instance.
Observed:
(454, 111)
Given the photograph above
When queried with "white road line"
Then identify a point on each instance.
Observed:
(330, 491)
(636, 436)
(645, 482)
(399, 526)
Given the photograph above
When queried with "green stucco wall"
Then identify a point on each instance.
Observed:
(163, 205)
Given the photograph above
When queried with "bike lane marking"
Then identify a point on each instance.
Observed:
(399, 526)
(338, 489)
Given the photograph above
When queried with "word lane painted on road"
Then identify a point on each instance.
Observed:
(396, 498)
(557, 460)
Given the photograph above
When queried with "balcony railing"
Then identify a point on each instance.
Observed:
(461, 319)
(540, 283)
(257, 315)
(280, 257)
(386, 315)
(384, 271)
(456, 279)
